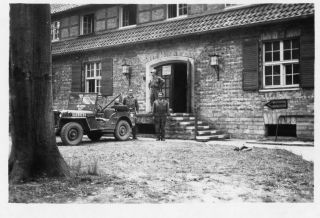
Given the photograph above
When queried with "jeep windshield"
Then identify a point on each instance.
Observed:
(82, 101)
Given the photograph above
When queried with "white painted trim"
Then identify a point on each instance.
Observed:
(282, 64)
(128, 27)
(81, 25)
(94, 77)
(167, 60)
(236, 6)
(280, 89)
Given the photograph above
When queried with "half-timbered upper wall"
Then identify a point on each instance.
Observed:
(108, 17)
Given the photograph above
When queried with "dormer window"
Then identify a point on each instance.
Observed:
(177, 10)
(128, 15)
(87, 24)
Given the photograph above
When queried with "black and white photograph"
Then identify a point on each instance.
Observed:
(173, 103)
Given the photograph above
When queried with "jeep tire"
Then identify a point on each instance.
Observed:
(94, 136)
(71, 133)
(122, 131)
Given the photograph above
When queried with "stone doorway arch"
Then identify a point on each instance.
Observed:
(190, 76)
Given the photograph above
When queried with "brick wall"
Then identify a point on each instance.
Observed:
(223, 103)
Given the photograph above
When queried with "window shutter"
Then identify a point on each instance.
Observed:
(250, 76)
(107, 77)
(307, 58)
(76, 77)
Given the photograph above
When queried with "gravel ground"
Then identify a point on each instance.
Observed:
(149, 171)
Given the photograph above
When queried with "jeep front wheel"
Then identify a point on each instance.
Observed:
(71, 133)
(122, 131)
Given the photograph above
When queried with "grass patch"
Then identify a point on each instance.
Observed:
(79, 168)
(85, 181)
(173, 172)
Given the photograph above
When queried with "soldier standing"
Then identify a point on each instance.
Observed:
(160, 111)
(155, 86)
(133, 106)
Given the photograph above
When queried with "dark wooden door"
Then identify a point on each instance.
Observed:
(179, 87)
(175, 87)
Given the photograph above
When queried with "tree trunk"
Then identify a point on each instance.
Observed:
(34, 150)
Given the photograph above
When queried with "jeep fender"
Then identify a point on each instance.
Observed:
(115, 118)
(82, 121)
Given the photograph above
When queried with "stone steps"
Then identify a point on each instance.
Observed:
(189, 123)
(182, 126)
(202, 127)
(208, 132)
(182, 118)
(180, 115)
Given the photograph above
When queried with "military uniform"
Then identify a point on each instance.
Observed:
(133, 106)
(160, 111)
(155, 86)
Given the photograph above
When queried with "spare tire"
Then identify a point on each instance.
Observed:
(71, 133)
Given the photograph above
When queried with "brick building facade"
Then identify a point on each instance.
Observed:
(265, 53)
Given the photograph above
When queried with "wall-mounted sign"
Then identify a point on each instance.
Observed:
(166, 70)
(278, 104)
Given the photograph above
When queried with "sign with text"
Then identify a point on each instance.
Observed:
(278, 104)
(166, 70)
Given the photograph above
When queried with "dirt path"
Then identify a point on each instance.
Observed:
(147, 171)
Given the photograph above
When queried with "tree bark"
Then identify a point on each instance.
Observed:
(34, 150)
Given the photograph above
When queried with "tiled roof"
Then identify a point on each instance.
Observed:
(188, 26)
(56, 8)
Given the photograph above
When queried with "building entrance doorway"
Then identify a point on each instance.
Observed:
(175, 88)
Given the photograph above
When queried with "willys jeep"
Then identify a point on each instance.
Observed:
(85, 116)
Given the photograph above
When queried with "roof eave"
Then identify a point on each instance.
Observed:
(189, 34)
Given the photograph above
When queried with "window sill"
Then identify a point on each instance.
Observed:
(128, 27)
(280, 89)
(87, 35)
(177, 18)
(237, 6)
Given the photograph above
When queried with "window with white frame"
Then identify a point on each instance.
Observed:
(93, 77)
(177, 10)
(128, 15)
(55, 31)
(281, 63)
(87, 24)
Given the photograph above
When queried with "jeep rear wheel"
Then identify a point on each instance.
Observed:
(122, 131)
(94, 136)
(71, 133)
